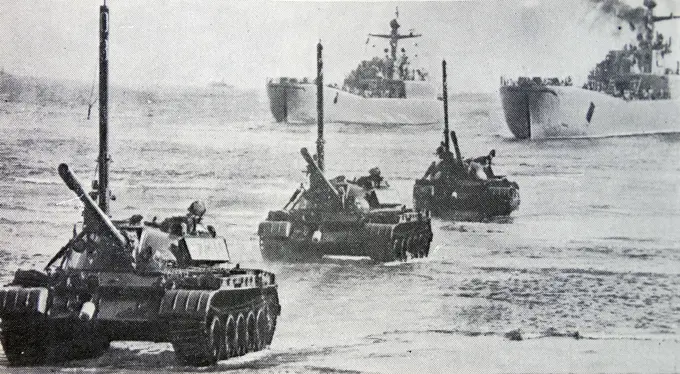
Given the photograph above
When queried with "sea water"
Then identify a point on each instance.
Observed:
(594, 247)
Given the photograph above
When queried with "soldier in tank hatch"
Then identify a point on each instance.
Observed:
(480, 165)
(373, 180)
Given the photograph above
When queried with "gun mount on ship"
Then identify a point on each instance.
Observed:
(131, 280)
(341, 217)
(467, 189)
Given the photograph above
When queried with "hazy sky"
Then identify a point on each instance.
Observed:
(161, 42)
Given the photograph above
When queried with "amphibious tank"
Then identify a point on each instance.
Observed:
(341, 217)
(169, 281)
(465, 189)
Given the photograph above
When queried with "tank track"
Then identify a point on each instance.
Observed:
(408, 243)
(222, 335)
(397, 246)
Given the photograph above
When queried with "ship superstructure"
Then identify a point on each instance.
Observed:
(632, 91)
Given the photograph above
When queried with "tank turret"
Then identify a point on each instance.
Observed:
(132, 280)
(340, 217)
(467, 189)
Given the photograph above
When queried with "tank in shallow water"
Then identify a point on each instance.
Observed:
(127, 280)
(464, 189)
(340, 217)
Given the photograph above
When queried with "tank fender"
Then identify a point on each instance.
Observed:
(186, 303)
(274, 229)
(22, 300)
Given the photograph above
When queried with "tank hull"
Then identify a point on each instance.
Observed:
(296, 103)
(469, 201)
(308, 240)
(541, 112)
(76, 314)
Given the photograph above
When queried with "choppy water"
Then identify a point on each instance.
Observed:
(594, 247)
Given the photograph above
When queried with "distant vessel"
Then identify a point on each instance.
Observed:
(382, 91)
(221, 84)
(630, 92)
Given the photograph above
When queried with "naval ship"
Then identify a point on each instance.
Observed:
(381, 91)
(630, 92)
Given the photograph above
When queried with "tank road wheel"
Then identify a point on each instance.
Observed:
(271, 326)
(251, 335)
(241, 331)
(23, 341)
(261, 329)
(402, 250)
(197, 343)
(412, 246)
(422, 245)
(396, 250)
(230, 338)
(427, 240)
(215, 340)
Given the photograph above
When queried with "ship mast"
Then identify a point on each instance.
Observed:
(648, 36)
(394, 38)
(103, 159)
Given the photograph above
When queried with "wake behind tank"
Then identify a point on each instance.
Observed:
(170, 281)
(463, 189)
(341, 217)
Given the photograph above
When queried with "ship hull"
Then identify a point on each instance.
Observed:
(540, 112)
(296, 103)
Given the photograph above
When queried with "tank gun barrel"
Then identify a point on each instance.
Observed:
(74, 185)
(664, 18)
(454, 138)
(316, 172)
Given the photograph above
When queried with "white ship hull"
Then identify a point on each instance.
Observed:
(296, 103)
(540, 112)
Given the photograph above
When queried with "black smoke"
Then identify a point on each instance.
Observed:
(635, 17)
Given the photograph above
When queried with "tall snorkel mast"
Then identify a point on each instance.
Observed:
(319, 106)
(445, 94)
(103, 159)
(445, 98)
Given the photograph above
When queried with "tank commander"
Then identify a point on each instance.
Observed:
(373, 180)
(482, 165)
(182, 225)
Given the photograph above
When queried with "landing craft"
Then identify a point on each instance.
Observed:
(381, 91)
(341, 217)
(630, 92)
(463, 189)
(171, 281)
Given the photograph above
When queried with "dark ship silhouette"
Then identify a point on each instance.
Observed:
(131, 280)
(631, 91)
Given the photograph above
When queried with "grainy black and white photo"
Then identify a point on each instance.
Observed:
(345, 186)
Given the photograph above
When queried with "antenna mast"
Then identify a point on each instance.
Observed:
(319, 106)
(394, 38)
(445, 98)
(103, 160)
